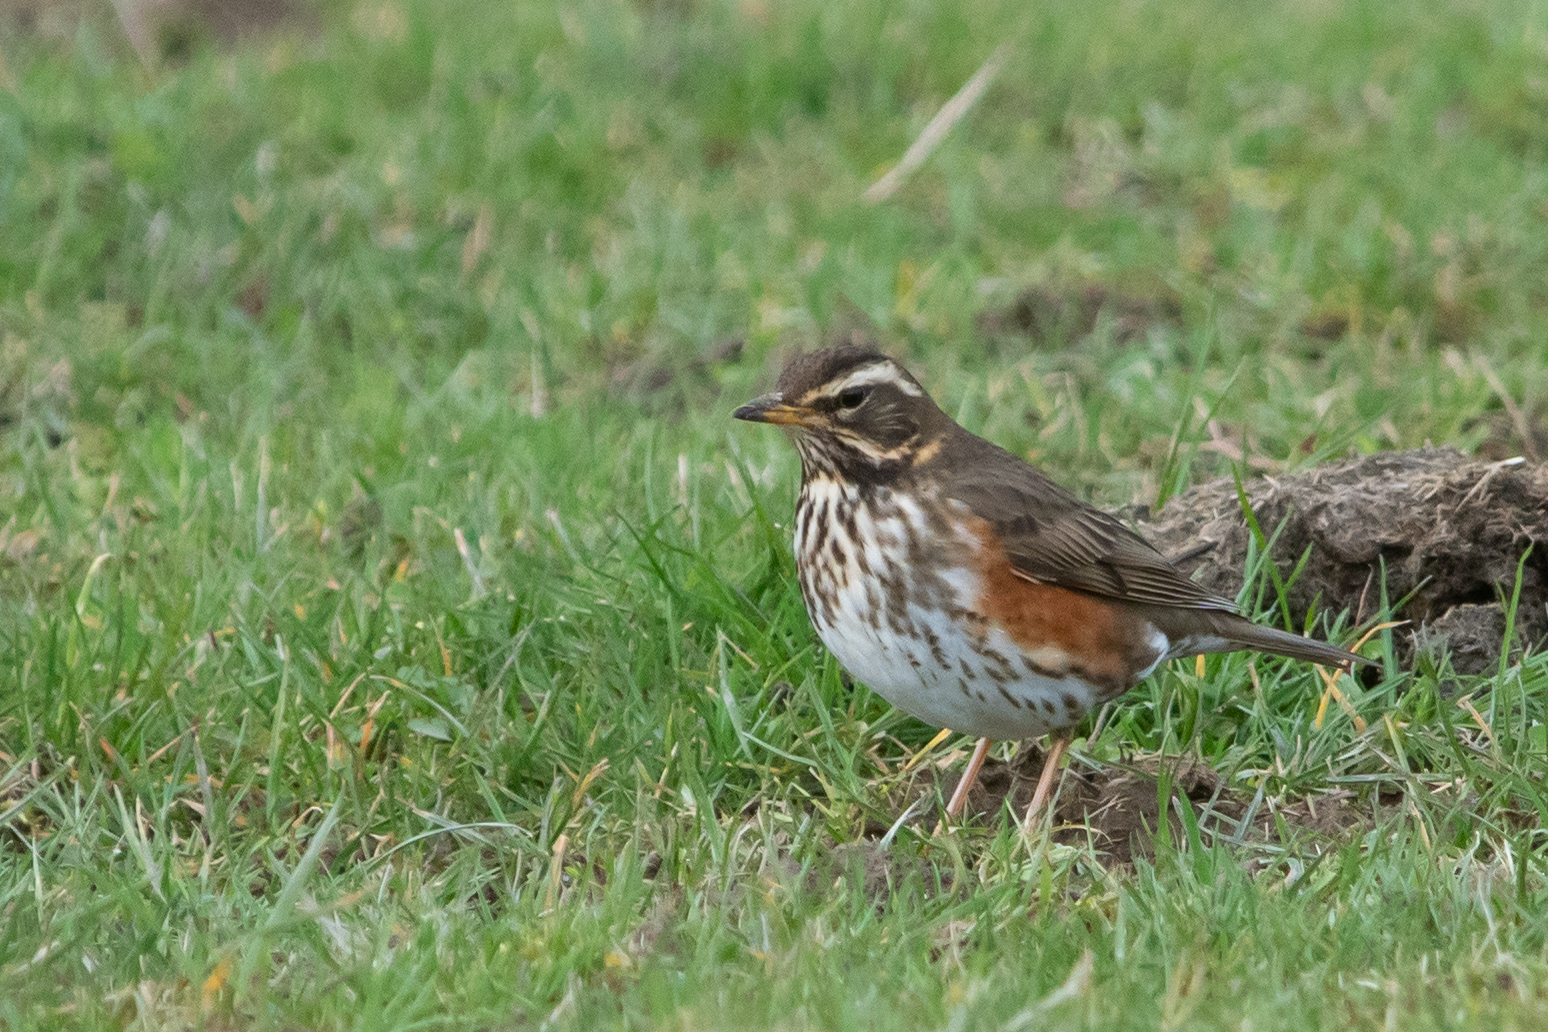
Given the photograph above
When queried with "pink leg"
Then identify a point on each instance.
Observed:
(969, 776)
(1051, 764)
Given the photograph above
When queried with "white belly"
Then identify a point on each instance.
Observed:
(920, 642)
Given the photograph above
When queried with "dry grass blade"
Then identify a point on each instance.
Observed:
(1334, 692)
(925, 750)
(279, 319)
(935, 131)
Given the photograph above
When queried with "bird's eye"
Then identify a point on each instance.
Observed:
(851, 398)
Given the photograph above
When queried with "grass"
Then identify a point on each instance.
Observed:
(396, 632)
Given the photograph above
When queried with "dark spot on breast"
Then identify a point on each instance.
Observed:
(998, 666)
(1038, 670)
(862, 561)
(817, 532)
(837, 551)
(962, 683)
(846, 519)
(839, 569)
(1009, 697)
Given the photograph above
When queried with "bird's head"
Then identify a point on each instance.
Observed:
(852, 411)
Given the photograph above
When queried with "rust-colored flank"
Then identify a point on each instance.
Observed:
(1102, 642)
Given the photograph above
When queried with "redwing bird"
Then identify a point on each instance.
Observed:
(962, 584)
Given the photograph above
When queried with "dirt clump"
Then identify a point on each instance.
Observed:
(1116, 808)
(1433, 527)
(1469, 633)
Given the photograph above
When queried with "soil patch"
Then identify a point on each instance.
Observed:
(1444, 531)
(1117, 808)
(1057, 315)
(166, 29)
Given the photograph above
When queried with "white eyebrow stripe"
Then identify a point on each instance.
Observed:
(876, 372)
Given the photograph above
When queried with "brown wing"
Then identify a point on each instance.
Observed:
(1053, 537)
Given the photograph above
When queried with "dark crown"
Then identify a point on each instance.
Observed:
(805, 373)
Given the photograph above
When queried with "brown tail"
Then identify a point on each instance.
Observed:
(1227, 632)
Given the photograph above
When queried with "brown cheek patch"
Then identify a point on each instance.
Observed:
(1105, 644)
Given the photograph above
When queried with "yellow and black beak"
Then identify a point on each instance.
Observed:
(771, 408)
